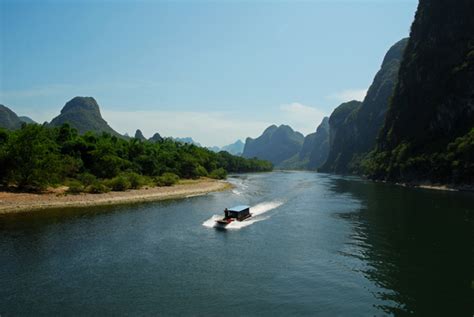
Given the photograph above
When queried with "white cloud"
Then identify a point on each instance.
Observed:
(207, 128)
(212, 128)
(301, 117)
(348, 95)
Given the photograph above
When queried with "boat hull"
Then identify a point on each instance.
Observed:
(225, 222)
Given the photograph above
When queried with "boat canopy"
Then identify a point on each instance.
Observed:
(239, 208)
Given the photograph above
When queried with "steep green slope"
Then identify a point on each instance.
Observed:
(433, 103)
(276, 144)
(314, 151)
(357, 135)
(8, 119)
(83, 114)
(320, 146)
(340, 130)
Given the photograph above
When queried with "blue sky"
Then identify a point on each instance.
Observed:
(213, 70)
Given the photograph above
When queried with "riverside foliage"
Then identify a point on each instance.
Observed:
(35, 157)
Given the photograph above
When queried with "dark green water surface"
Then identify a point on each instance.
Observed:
(318, 245)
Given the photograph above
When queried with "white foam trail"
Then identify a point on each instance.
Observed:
(264, 207)
(240, 186)
(257, 212)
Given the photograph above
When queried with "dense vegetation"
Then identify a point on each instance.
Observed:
(355, 135)
(37, 156)
(428, 133)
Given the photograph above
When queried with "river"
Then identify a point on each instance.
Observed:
(318, 244)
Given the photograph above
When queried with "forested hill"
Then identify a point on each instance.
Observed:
(83, 114)
(428, 134)
(354, 135)
(36, 156)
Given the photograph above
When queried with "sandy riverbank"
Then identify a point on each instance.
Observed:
(21, 202)
(450, 188)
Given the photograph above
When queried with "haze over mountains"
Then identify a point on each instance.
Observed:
(83, 114)
(235, 148)
(415, 123)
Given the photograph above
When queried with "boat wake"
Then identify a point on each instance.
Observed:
(240, 187)
(258, 214)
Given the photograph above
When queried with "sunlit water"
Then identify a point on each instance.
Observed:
(317, 245)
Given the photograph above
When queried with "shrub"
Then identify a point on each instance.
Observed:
(119, 183)
(136, 180)
(97, 188)
(75, 187)
(200, 171)
(167, 179)
(219, 173)
(87, 179)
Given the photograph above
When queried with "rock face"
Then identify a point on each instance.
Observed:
(8, 119)
(83, 113)
(433, 102)
(276, 144)
(353, 137)
(139, 135)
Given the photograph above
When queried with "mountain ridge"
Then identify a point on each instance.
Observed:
(354, 136)
(83, 114)
(275, 144)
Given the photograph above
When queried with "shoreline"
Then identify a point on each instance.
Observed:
(28, 202)
(429, 186)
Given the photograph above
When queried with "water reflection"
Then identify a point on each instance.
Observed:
(416, 245)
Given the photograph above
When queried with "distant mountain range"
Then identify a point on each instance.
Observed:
(235, 148)
(416, 123)
(26, 119)
(81, 113)
(10, 120)
(276, 144)
(289, 149)
(187, 140)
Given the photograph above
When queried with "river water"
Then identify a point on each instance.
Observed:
(318, 245)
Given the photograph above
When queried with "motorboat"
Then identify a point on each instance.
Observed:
(237, 213)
